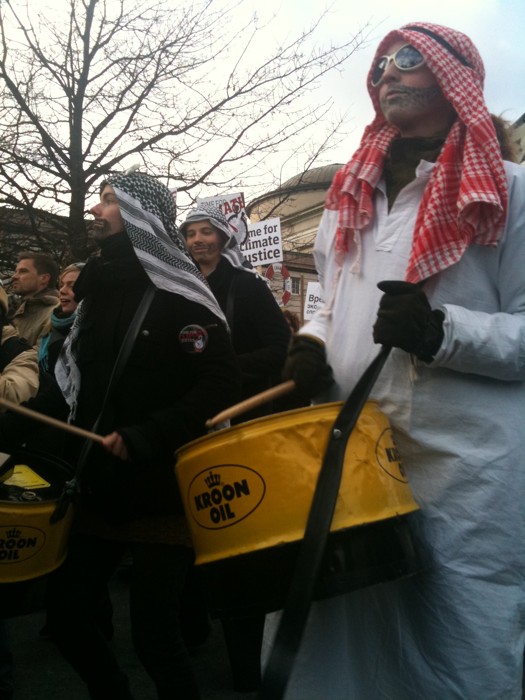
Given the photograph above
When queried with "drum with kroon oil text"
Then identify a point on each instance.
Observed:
(31, 546)
(247, 492)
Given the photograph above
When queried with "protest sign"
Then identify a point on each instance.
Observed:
(260, 242)
(232, 206)
(264, 244)
(313, 300)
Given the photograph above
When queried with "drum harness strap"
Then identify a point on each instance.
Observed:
(71, 487)
(300, 593)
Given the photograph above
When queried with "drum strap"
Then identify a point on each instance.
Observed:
(300, 593)
(122, 358)
(123, 355)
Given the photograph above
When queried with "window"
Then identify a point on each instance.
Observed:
(296, 285)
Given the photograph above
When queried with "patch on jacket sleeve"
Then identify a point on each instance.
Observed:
(193, 338)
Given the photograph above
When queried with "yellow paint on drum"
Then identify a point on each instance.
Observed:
(250, 487)
(30, 545)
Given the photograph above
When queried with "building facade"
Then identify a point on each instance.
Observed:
(299, 204)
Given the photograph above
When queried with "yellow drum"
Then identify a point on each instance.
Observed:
(30, 545)
(247, 491)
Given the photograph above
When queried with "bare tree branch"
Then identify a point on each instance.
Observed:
(95, 84)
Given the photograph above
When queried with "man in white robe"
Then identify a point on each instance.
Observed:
(428, 201)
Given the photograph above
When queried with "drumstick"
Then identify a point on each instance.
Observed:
(51, 421)
(252, 402)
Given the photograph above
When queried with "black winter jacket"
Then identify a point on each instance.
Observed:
(182, 371)
(260, 333)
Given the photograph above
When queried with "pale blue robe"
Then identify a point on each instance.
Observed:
(457, 631)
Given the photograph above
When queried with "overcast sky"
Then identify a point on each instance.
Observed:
(497, 27)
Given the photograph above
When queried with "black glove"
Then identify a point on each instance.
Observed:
(306, 365)
(405, 320)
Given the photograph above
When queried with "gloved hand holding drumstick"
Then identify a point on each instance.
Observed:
(306, 372)
(307, 366)
(405, 320)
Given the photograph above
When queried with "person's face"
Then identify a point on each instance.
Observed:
(26, 280)
(204, 243)
(412, 100)
(65, 291)
(108, 219)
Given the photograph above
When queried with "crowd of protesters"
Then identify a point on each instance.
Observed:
(191, 350)
(421, 249)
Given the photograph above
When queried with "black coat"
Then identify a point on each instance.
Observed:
(260, 333)
(182, 370)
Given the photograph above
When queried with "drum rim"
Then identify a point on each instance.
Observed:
(21, 454)
(260, 421)
(38, 454)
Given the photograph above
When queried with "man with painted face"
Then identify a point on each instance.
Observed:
(181, 370)
(421, 247)
(260, 337)
(260, 334)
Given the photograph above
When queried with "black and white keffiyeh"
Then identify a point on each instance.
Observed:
(205, 211)
(148, 210)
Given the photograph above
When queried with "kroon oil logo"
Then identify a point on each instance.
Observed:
(224, 495)
(387, 456)
(18, 543)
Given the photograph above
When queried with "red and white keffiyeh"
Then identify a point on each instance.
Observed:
(465, 200)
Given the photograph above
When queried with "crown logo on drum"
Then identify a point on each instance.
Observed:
(13, 532)
(213, 480)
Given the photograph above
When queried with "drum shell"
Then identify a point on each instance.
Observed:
(30, 545)
(250, 487)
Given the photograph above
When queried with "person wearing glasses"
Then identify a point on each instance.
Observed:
(421, 248)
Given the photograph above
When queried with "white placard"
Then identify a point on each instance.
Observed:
(313, 300)
(232, 206)
(264, 245)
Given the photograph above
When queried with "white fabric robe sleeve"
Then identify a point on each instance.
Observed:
(493, 344)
